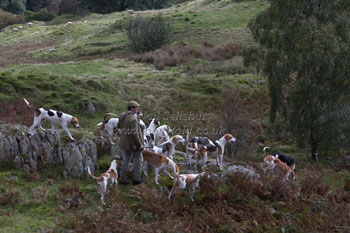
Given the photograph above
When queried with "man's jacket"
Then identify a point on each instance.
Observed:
(131, 136)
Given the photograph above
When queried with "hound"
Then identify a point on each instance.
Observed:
(149, 134)
(284, 158)
(189, 181)
(109, 125)
(219, 147)
(110, 176)
(158, 162)
(168, 147)
(202, 158)
(275, 162)
(192, 146)
(54, 117)
(162, 134)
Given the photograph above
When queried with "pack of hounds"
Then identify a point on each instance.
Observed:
(159, 150)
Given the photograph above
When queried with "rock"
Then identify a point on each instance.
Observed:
(17, 162)
(33, 164)
(14, 29)
(249, 171)
(45, 148)
(73, 159)
(52, 51)
(26, 168)
(90, 107)
(8, 147)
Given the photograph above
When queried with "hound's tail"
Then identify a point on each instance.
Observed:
(187, 135)
(102, 124)
(32, 107)
(91, 175)
(108, 114)
(265, 148)
(27, 103)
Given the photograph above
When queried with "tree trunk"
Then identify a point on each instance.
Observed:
(314, 153)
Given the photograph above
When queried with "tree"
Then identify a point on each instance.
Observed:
(17, 6)
(108, 6)
(36, 5)
(304, 50)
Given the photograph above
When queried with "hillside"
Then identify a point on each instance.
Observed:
(92, 71)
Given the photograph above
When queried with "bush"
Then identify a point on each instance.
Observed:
(42, 15)
(148, 34)
(179, 54)
(7, 19)
(17, 6)
(71, 7)
(142, 5)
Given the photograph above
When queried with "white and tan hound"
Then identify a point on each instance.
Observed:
(219, 148)
(284, 158)
(168, 148)
(161, 134)
(159, 162)
(54, 117)
(109, 125)
(149, 133)
(192, 146)
(275, 162)
(186, 181)
(108, 177)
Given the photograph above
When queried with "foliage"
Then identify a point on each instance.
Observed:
(7, 19)
(36, 5)
(304, 51)
(42, 15)
(104, 7)
(146, 34)
(179, 54)
(71, 7)
(17, 6)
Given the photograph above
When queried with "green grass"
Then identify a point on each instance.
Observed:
(193, 22)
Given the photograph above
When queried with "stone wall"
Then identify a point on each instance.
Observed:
(45, 148)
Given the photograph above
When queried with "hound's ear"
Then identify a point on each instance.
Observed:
(152, 136)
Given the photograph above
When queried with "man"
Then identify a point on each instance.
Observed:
(131, 142)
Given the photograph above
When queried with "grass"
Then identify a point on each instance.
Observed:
(90, 66)
(104, 35)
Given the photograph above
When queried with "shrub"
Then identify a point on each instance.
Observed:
(179, 54)
(7, 19)
(142, 5)
(17, 6)
(148, 34)
(71, 7)
(42, 15)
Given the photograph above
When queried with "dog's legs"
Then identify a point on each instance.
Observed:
(41, 127)
(156, 173)
(193, 186)
(188, 156)
(173, 189)
(167, 173)
(68, 133)
(196, 164)
(145, 167)
(221, 158)
(110, 136)
(36, 122)
(293, 166)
